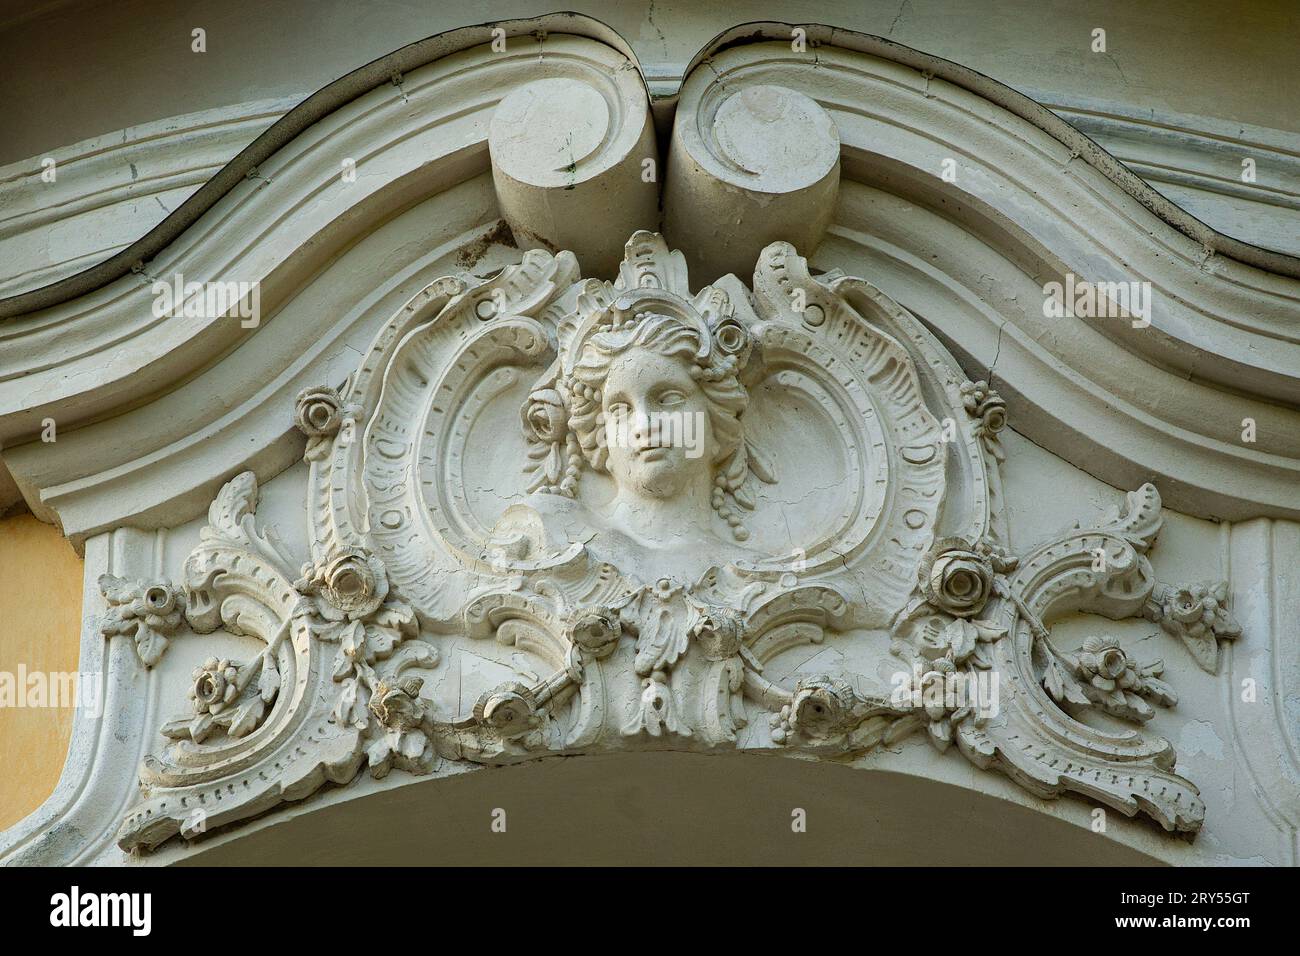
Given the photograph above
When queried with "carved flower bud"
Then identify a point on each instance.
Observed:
(1106, 664)
(545, 415)
(983, 403)
(319, 412)
(973, 395)
(508, 710)
(215, 685)
(733, 341)
(159, 599)
(994, 413)
(821, 705)
(596, 631)
(1186, 605)
(397, 705)
(959, 582)
(720, 633)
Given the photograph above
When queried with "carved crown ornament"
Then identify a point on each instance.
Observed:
(556, 515)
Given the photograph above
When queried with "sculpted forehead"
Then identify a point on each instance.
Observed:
(640, 368)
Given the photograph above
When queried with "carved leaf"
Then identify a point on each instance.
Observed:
(1061, 684)
(200, 727)
(760, 464)
(351, 706)
(554, 464)
(149, 644)
(342, 665)
(662, 639)
(1204, 648)
(247, 718)
(379, 757)
(1158, 689)
(236, 501)
(115, 622)
(352, 645)
(178, 729)
(116, 590)
(268, 683)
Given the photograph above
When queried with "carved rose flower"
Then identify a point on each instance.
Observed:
(938, 700)
(400, 711)
(546, 416)
(158, 604)
(959, 583)
(147, 610)
(354, 582)
(1105, 665)
(1199, 608)
(820, 706)
(397, 705)
(595, 631)
(160, 601)
(509, 710)
(984, 403)
(1112, 680)
(215, 685)
(957, 577)
(319, 412)
(719, 633)
(734, 340)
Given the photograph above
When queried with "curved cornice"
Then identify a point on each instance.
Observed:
(1036, 200)
(1167, 402)
(390, 67)
(411, 141)
(387, 69)
(1020, 105)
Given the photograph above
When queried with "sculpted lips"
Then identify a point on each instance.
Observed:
(653, 452)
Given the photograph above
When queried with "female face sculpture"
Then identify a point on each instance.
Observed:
(655, 403)
(657, 435)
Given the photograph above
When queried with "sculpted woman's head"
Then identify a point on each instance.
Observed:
(655, 403)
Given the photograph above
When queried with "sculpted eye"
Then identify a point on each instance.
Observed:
(617, 410)
(672, 397)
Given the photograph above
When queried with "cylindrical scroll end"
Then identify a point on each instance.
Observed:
(748, 167)
(575, 170)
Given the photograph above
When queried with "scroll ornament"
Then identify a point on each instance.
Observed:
(652, 591)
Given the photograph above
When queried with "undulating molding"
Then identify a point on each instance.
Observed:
(1219, 329)
(298, 530)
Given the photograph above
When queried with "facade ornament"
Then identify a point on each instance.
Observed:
(1196, 614)
(321, 414)
(648, 504)
(990, 413)
(1102, 675)
(148, 611)
(229, 697)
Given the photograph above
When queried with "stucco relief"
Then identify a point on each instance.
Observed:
(636, 508)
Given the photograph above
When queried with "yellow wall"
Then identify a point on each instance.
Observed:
(40, 628)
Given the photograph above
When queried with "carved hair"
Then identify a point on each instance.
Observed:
(715, 373)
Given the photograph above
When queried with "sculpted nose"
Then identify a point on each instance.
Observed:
(639, 428)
